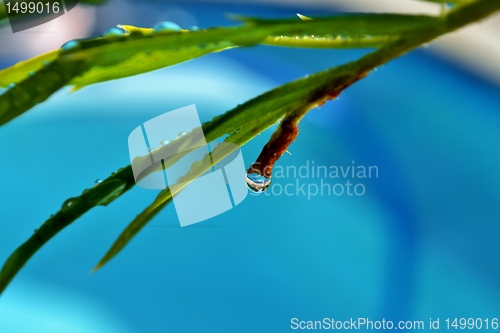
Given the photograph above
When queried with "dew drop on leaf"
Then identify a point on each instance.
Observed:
(69, 203)
(97, 182)
(166, 26)
(71, 45)
(114, 32)
(256, 182)
(163, 143)
(181, 134)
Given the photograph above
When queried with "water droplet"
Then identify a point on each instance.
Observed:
(256, 182)
(151, 150)
(97, 182)
(166, 27)
(163, 143)
(31, 74)
(46, 62)
(69, 203)
(181, 134)
(71, 45)
(114, 32)
(11, 86)
(449, 5)
(194, 28)
(85, 190)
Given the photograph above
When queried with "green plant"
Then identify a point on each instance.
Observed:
(85, 62)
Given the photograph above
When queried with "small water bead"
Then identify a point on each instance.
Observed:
(163, 143)
(31, 74)
(69, 203)
(194, 28)
(97, 182)
(11, 86)
(256, 182)
(46, 62)
(181, 134)
(166, 26)
(151, 150)
(114, 32)
(71, 45)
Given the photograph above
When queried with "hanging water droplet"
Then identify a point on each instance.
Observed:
(114, 32)
(71, 45)
(256, 182)
(97, 182)
(166, 26)
(181, 134)
(163, 143)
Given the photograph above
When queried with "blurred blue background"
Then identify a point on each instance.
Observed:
(421, 243)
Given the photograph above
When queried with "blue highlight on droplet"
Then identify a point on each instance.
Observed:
(114, 32)
(71, 45)
(256, 182)
(163, 143)
(166, 26)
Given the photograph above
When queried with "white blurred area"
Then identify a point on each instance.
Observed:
(476, 47)
(77, 23)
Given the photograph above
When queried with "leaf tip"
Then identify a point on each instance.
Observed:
(304, 18)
